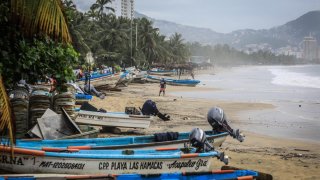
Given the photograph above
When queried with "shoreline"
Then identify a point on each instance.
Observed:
(280, 157)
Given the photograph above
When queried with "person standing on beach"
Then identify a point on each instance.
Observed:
(162, 87)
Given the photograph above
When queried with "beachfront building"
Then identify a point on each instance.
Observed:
(310, 48)
(124, 8)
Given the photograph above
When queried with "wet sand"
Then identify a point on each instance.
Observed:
(283, 158)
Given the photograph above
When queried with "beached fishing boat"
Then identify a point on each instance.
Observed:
(128, 142)
(105, 161)
(108, 80)
(125, 79)
(216, 174)
(175, 82)
(159, 72)
(113, 119)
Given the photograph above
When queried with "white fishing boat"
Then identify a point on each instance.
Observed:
(159, 72)
(106, 80)
(113, 119)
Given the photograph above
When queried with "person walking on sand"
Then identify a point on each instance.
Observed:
(162, 87)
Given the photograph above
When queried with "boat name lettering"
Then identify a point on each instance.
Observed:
(130, 165)
(61, 165)
(6, 159)
(197, 164)
(90, 116)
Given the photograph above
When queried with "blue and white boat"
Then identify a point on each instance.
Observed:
(211, 175)
(174, 82)
(160, 72)
(108, 80)
(216, 175)
(125, 78)
(105, 161)
(127, 142)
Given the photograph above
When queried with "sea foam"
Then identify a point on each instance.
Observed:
(288, 78)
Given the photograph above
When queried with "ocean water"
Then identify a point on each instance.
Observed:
(294, 90)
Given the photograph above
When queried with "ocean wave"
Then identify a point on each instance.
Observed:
(286, 77)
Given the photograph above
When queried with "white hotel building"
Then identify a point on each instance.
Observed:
(124, 8)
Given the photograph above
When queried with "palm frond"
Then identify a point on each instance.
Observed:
(7, 125)
(41, 16)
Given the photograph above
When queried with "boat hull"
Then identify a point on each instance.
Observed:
(174, 82)
(161, 73)
(112, 120)
(109, 81)
(33, 161)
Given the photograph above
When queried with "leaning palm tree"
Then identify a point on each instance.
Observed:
(40, 16)
(7, 125)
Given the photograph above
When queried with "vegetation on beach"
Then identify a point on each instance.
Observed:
(118, 40)
(36, 41)
(227, 56)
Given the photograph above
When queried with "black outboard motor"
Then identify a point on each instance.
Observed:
(198, 140)
(150, 108)
(218, 120)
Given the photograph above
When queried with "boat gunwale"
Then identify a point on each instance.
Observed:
(125, 146)
(102, 154)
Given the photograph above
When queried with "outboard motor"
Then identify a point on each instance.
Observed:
(198, 140)
(218, 120)
(150, 108)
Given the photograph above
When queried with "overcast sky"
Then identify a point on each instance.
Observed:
(223, 15)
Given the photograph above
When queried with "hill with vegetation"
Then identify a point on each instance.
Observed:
(291, 33)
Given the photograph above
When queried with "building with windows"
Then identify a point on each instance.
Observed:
(124, 8)
(310, 48)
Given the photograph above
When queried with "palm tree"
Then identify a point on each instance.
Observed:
(114, 36)
(147, 39)
(100, 5)
(177, 48)
(40, 16)
(92, 13)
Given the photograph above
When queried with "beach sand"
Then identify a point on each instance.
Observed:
(283, 158)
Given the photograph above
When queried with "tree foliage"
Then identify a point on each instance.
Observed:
(40, 16)
(228, 56)
(33, 56)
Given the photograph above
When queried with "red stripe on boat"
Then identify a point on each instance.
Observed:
(222, 171)
(189, 155)
(22, 151)
(166, 149)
